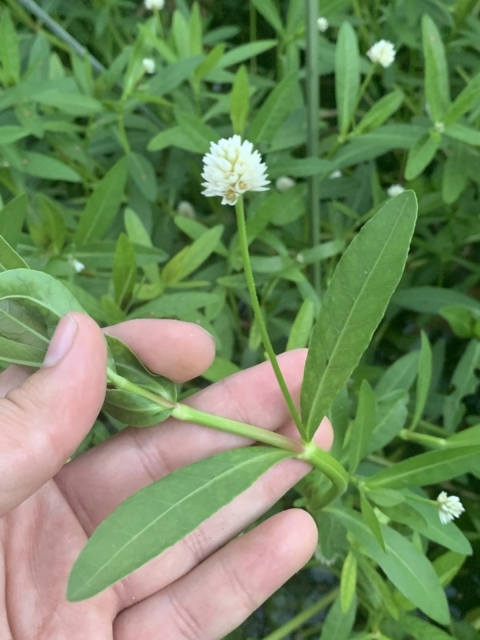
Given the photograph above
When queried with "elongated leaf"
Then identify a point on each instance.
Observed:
(124, 271)
(423, 380)
(363, 425)
(9, 259)
(437, 86)
(43, 166)
(239, 101)
(102, 205)
(270, 12)
(428, 468)
(12, 217)
(338, 624)
(192, 257)
(454, 175)
(421, 154)
(348, 582)
(422, 630)
(347, 75)
(464, 382)
(9, 49)
(399, 376)
(201, 135)
(354, 304)
(274, 110)
(371, 520)
(380, 111)
(245, 52)
(432, 299)
(448, 535)
(162, 514)
(465, 100)
(407, 568)
(302, 326)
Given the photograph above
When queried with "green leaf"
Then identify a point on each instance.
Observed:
(399, 376)
(421, 154)
(348, 582)
(432, 299)
(72, 103)
(380, 111)
(124, 271)
(301, 327)
(9, 259)
(53, 224)
(347, 75)
(12, 217)
(464, 382)
(447, 566)
(437, 88)
(423, 380)
(338, 624)
(362, 426)
(43, 166)
(103, 205)
(162, 514)
(392, 413)
(128, 407)
(428, 468)
(11, 133)
(421, 629)
(371, 520)
(239, 101)
(142, 173)
(464, 102)
(270, 12)
(9, 49)
(274, 110)
(354, 304)
(170, 77)
(245, 52)
(192, 257)
(138, 234)
(175, 305)
(200, 134)
(407, 568)
(465, 134)
(210, 61)
(455, 177)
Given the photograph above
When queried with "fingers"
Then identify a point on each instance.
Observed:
(178, 350)
(149, 454)
(223, 591)
(44, 420)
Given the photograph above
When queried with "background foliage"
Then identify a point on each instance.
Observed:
(102, 167)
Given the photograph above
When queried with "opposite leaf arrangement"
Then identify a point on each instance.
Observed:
(158, 516)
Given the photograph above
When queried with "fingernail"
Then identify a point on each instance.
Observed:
(61, 342)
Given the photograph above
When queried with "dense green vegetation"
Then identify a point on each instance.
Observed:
(100, 186)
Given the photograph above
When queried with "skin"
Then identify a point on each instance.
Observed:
(200, 589)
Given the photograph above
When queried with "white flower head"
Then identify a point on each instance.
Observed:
(382, 52)
(185, 209)
(148, 65)
(440, 127)
(322, 24)
(154, 4)
(336, 174)
(449, 507)
(76, 264)
(395, 190)
(231, 168)
(284, 182)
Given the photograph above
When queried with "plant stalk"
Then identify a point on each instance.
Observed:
(313, 107)
(243, 240)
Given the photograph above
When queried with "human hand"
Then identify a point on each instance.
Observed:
(201, 588)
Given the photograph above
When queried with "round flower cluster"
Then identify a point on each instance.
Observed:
(154, 4)
(395, 190)
(382, 52)
(449, 507)
(231, 168)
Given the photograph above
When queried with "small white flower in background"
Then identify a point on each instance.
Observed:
(284, 182)
(76, 264)
(449, 507)
(154, 4)
(322, 24)
(148, 65)
(440, 127)
(395, 190)
(231, 168)
(382, 52)
(336, 174)
(300, 258)
(185, 209)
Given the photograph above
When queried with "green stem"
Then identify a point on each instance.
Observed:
(310, 453)
(422, 438)
(303, 617)
(243, 240)
(361, 93)
(313, 108)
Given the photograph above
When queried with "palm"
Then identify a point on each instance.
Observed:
(197, 589)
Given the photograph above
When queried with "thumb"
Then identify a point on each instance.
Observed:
(43, 421)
